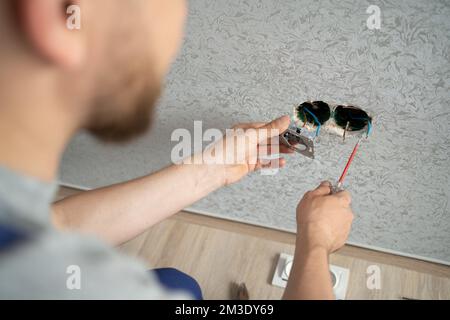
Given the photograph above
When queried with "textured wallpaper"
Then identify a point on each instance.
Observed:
(254, 60)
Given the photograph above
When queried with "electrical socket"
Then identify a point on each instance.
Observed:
(339, 276)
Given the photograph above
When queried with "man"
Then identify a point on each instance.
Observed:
(105, 78)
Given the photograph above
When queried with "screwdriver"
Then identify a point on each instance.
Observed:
(347, 166)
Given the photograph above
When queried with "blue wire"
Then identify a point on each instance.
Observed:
(315, 119)
(369, 127)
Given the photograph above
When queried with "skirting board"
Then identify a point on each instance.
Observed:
(219, 216)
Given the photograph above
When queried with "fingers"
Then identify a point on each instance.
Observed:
(284, 149)
(323, 189)
(271, 149)
(344, 197)
(273, 128)
(270, 164)
(281, 124)
(250, 125)
(266, 131)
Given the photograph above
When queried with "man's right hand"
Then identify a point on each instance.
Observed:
(324, 219)
(323, 225)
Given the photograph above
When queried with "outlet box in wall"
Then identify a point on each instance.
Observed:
(339, 276)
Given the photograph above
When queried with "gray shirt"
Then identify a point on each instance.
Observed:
(48, 264)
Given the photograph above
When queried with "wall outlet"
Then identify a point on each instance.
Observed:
(339, 275)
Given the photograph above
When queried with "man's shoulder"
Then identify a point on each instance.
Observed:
(50, 264)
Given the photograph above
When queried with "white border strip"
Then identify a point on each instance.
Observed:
(205, 213)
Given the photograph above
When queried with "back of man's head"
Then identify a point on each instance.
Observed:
(96, 64)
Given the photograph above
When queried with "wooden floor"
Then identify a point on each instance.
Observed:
(219, 253)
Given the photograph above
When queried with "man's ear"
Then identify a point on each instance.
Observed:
(45, 26)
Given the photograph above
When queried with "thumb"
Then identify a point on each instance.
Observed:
(323, 189)
(273, 128)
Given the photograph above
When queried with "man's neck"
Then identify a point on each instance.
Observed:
(32, 140)
(39, 112)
